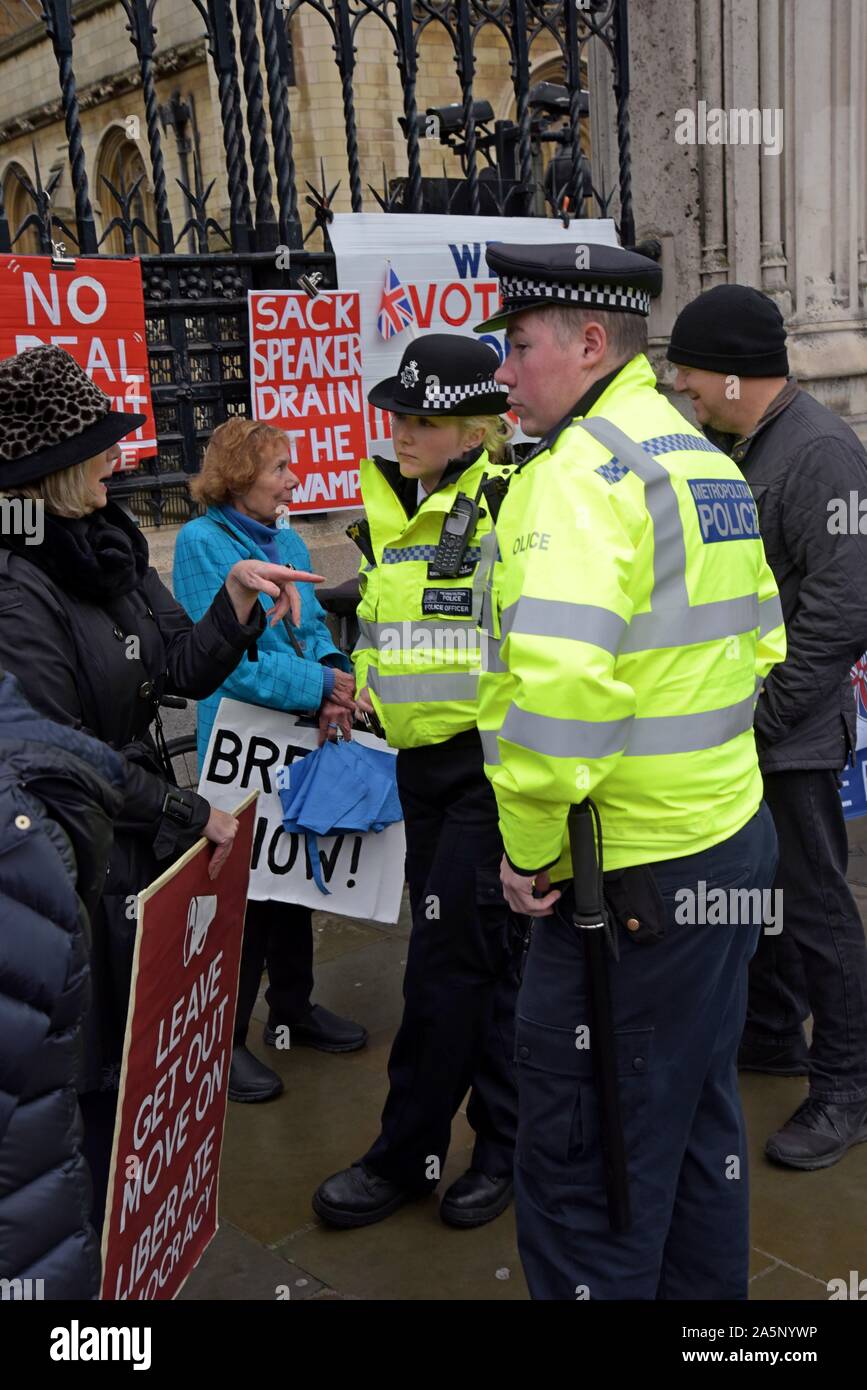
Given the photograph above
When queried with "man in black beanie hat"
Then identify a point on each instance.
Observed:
(799, 460)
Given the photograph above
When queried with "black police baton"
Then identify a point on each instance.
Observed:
(590, 917)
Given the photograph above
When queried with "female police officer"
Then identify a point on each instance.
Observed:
(417, 665)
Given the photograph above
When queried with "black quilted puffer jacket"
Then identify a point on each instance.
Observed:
(59, 792)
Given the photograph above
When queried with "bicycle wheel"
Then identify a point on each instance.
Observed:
(182, 752)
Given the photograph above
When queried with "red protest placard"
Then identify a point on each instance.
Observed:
(161, 1211)
(93, 308)
(305, 363)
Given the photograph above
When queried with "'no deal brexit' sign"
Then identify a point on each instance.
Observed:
(94, 310)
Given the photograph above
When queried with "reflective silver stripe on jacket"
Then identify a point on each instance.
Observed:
(703, 622)
(660, 498)
(425, 688)
(690, 733)
(770, 614)
(491, 660)
(365, 638)
(582, 622)
(646, 737)
(402, 632)
(484, 576)
(490, 748)
(564, 738)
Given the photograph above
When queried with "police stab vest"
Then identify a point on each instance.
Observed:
(419, 650)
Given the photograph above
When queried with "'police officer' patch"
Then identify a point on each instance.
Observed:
(452, 603)
(726, 510)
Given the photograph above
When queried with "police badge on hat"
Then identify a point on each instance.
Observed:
(443, 374)
(585, 275)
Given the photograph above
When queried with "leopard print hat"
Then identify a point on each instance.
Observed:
(52, 416)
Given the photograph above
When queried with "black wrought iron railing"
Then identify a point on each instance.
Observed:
(195, 299)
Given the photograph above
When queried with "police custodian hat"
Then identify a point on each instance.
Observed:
(443, 374)
(584, 275)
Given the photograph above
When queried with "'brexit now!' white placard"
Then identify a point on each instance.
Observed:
(364, 873)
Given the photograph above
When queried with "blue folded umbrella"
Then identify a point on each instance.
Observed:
(339, 789)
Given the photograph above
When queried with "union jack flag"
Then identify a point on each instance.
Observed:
(859, 681)
(395, 310)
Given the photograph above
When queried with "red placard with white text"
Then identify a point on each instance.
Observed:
(161, 1212)
(94, 309)
(305, 364)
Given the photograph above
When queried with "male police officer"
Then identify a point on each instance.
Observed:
(636, 617)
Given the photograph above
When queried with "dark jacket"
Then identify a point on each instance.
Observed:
(97, 666)
(798, 460)
(59, 792)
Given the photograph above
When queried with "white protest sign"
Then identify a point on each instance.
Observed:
(364, 873)
(440, 262)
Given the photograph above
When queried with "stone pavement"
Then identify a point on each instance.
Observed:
(807, 1228)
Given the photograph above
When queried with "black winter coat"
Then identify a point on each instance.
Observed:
(98, 665)
(797, 463)
(59, 793)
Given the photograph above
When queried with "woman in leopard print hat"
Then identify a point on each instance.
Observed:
(95, 639)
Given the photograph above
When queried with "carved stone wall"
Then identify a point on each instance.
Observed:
(791, 223)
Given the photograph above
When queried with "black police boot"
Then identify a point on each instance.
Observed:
(818, 1134)
(474, 1199)
(358, 1197)
(774, 1059)
(250, 1079)
(319, 1028)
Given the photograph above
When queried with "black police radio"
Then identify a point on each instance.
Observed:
(458, 528)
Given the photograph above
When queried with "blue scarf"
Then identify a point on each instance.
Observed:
(266, 539)
(264, 536)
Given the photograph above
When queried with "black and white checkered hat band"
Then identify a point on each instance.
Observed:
(451, 395)
(599, 296)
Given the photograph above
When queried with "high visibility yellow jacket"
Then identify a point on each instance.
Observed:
(632, 617)
(419, 648)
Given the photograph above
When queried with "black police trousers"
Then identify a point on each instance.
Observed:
(814, 960)
(678, 1002)
(460, 983)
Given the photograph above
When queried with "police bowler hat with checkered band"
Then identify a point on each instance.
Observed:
(581, 274)
(443, 374)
